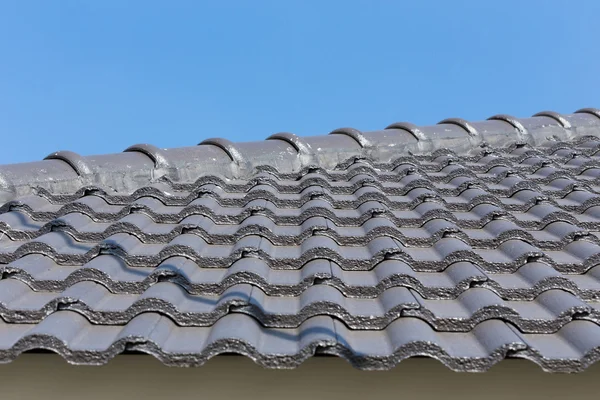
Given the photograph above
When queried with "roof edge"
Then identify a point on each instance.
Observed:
(142, 164)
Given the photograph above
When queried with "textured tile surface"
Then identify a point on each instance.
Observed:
(466, 242)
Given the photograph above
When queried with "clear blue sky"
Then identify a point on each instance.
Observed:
(97, 76)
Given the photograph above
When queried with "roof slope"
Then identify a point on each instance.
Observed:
(466, 242)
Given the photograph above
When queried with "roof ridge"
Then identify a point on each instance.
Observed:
(142, 164)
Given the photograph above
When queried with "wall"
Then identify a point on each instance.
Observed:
(138, 376)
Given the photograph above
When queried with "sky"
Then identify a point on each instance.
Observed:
(98, 76)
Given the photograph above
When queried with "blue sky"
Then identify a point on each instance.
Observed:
(97, 76)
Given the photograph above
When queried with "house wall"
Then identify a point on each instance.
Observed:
(47, 376)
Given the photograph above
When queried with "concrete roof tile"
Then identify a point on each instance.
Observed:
(468, 242)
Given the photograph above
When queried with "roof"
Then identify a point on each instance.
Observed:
(468, 242)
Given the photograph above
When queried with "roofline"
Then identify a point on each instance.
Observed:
(140, 165)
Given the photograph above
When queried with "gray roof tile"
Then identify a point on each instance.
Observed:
(468, 242)
(547, 313)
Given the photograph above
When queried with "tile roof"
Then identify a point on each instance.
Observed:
(469, 242)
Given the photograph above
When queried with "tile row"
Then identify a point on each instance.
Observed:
(19, 226)
(576, 200)
(42, 273)
(547, 313)
(576, 257)
(574, 347)
(540, 214)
